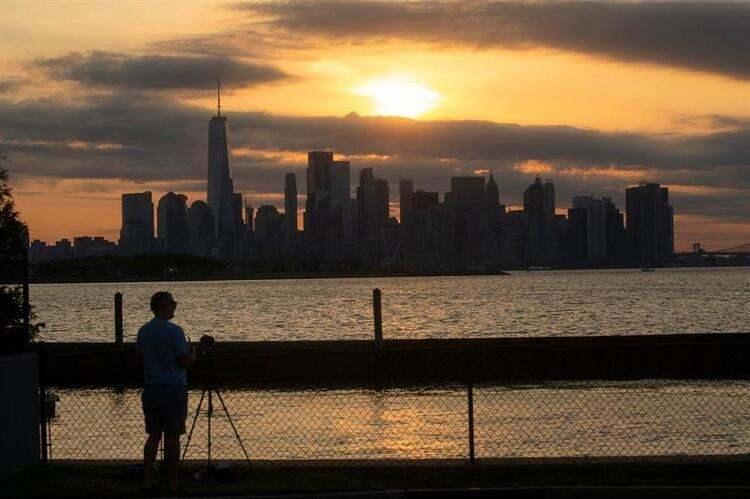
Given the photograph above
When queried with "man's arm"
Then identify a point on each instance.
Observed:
(187, 357)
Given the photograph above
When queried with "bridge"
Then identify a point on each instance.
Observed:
(741, 250)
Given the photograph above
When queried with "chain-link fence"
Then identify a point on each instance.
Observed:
(626, 420)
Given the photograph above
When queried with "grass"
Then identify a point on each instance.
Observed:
(107, 480)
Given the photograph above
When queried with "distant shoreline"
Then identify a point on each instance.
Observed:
(343, 275)
(274, 276)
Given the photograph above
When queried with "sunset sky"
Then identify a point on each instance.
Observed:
(100, 98)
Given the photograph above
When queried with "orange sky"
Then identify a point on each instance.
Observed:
(532, 82)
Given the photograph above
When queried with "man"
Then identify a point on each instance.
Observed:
(166, 355)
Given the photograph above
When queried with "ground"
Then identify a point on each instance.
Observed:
(122, 480)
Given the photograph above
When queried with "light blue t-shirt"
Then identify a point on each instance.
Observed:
(160, 343)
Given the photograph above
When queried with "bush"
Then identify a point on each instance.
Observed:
(13, 240)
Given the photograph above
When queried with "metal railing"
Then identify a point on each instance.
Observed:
(582, 420)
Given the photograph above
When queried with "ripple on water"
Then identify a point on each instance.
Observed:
(617, 302)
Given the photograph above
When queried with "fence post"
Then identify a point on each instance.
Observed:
(470, 398)
(42, 402)
(118, 319)
(377, 313)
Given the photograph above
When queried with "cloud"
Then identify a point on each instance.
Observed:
(144, 126)
(11, 85)
(702, 35)
(157, 72)
(150, 140)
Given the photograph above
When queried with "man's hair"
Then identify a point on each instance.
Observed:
(159, 300)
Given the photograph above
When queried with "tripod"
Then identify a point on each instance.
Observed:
(210, 390)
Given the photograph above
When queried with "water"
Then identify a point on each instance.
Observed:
(555, 303)
(560, 420)
(623, 419)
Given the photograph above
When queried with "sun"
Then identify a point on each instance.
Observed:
(399, 97)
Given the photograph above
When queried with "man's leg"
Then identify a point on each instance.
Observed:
(172, 457)
(150, 448)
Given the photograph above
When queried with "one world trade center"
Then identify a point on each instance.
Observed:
(220, 185)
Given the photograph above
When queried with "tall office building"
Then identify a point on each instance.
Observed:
(220, 185)
(200, 228)
(596, 226)
(650, 223)
(465, 203)
(269, 227)
(405, 200)
(373, 211)
(534, 198)
(249, 218)
(137, 232)
(426, 201)
(290, 210)
(467, 192)
(492, 193)
(173, 232)
(549, 199)
(540, 242)
(372, 204)
(328, 218)
(238, 213)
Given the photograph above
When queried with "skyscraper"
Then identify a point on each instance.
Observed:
(465, 202)
(328, 220)
(174, 235)
(405, 200)
(540, 245)
(290, 210)
(137, 232)
(372, 215)
(201, 229)
(596, 226)
(341, 194)
(220, 185)
(549, 199)
(467, 193)
(650, 223)
(492, 193)
(238, 213)
(534, 198)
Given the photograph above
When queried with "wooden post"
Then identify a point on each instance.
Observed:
(377, 313)
(118, 319)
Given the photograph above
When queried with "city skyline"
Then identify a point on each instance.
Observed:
(119, 107)
(463, 229)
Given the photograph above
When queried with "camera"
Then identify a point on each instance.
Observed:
(206, 344)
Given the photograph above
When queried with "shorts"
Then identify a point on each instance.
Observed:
(164, 409)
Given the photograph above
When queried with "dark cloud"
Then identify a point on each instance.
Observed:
(697, 35)
(10, 85)
(157, 72)
(144, 139)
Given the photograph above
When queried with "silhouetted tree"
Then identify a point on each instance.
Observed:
(13, 238)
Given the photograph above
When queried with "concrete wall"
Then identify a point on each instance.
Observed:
(323, 363)
(19, 412)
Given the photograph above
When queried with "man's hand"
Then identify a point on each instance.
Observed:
(187, 359)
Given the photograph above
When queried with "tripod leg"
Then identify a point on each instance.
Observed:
(210, 413)
(236, 433)
(192, 426)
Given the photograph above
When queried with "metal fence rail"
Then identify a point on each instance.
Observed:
(681, 419)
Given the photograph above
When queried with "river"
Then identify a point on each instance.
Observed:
(547, 303)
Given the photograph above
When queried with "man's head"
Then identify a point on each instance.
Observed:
(163, 305)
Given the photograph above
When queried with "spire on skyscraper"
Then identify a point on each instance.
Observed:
(218, 96)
